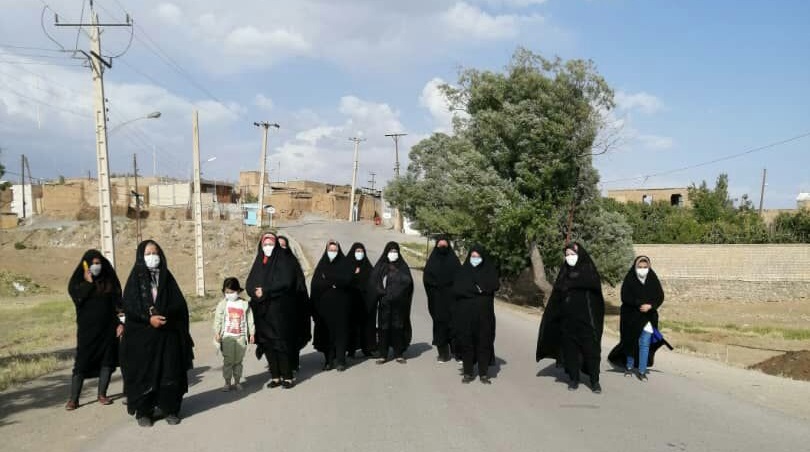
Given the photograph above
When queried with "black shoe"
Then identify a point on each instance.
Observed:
(368, 354)
(340, 367)
(596, 387)
(172, 419)
(467, 379)
(642, 376)
(381, 361)
(287, 384)
(628, 372)
(145, 421)
(327, 367)
(485, 379)
(573, 385)
(274, 384)
(402, 360)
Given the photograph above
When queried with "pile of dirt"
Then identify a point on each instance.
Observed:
(794, 365)
(14, 285)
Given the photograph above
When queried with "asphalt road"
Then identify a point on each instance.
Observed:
(689, 404)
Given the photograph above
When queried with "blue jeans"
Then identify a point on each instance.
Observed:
(643, 353)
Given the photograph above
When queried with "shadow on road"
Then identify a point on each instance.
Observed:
(558, 373)
(204, 401)
(416, 350)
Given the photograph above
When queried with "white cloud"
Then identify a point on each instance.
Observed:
(169, 12)
(655, 142)
(641, 101)
(436, 102)
(251, 41)
(263, 102)
(469, 21)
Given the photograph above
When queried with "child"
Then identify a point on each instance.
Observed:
(233, 330)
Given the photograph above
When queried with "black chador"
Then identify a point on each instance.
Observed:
(303, 307)
(572, 324)
(632, 321)
(330, 300)
(474, 288)
(157, 355)
(391, 291)
(97, 304)
(362, 320)
(440, 271)
(272, 288)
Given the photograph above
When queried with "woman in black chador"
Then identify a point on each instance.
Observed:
(96, 292)
(391, 291)
(474, 287)
(271, 286)
(158, 346)
(440, 271)
(330, 300)
(571, 328)
(642, 295)
(362, 322)
(303, 308)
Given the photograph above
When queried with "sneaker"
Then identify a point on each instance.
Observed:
(381, 361)
(628, 372)
(340, 367)
(642, 376)
(287, 384)
(467, 379)
(442, 359)
(402, 360)
(596, 388)
(172, 419)
(238, 387)
(226, 388)
(274, 384)
(573, 385)
(145, 421)
(485, 379)
(71, 405)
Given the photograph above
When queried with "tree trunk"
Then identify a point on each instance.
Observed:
(539, 273)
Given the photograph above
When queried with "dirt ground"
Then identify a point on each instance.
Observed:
(41, 258)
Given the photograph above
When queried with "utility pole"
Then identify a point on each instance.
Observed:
(97, 64)
(137, 195)
(22, 183)
(372, 181)
(762, 191)
(154, 161)
(354, 175)
(398, 221)
(263, 175)
(198, 227)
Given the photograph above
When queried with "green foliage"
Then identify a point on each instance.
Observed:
(791, 228)
(516, 164)
(250, 198)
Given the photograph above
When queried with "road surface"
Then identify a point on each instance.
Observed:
(689, 404)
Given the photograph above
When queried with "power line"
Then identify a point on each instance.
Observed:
(39, 63)
(39, 49)
(56, 107)
(710, 162)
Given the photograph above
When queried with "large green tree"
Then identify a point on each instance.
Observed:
(519, 159)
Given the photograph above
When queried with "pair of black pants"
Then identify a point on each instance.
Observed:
(578, 349)
(392, 337)
(280, 365)
(480, 352)
(77, 382)
(441, 338)
(167, 398)
(370, 335)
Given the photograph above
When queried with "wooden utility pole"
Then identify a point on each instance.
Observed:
(198, 226)
(22, 183)
(762, 191)
(137, 200)
(398, 220)
(263, 175)
(354, 174)
(97, 63)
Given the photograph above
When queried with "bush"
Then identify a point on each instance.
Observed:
(19, 246)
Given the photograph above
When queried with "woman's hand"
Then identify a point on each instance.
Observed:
(157, 321)
(645, 308)
(252, 339)
(119, 331)
(218, 337)
(88, 276)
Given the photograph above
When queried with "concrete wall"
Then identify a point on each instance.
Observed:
(748, 273)
(657, 194)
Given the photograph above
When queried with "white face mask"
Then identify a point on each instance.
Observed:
(642, 272)
(393, 256)
(231, 296)
(95, 269)
(331, 255)
(359, 255)
(571, 259)
(475, 261)
(268, 250)
(152, 260)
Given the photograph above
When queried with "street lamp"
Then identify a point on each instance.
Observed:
(153, 115)
(211, 159)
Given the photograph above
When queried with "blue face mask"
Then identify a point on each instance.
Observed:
(475, 261)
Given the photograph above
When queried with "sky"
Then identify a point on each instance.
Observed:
(694, 82)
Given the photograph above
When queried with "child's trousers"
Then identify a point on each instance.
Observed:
(233, 351)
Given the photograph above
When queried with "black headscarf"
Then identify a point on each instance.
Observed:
(442, 265)
(138, 291)
(363, 264)
(274, 274)
(106, 281)
(481, 280)
(335, 271)
(583, 275)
